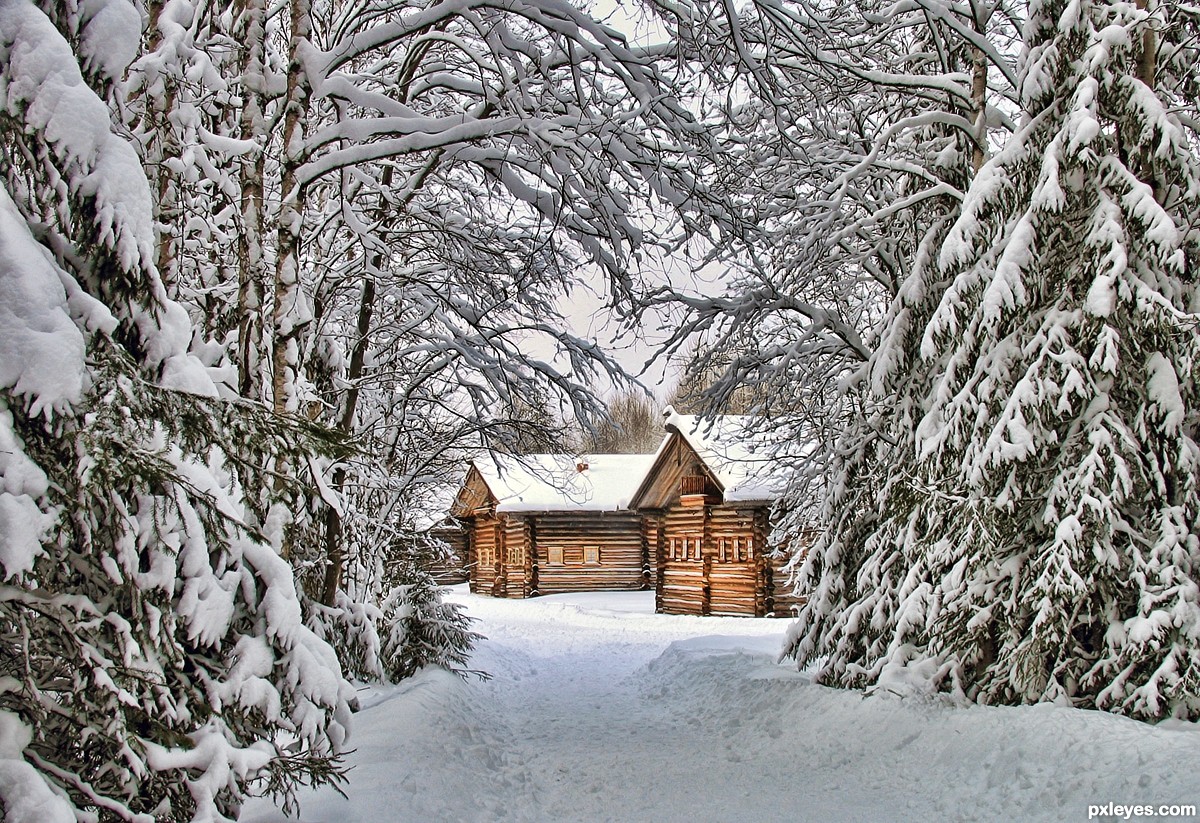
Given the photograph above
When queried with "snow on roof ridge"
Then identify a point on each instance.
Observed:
(563, 481)
(727, 444)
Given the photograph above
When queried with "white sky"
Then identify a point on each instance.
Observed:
(584, 307)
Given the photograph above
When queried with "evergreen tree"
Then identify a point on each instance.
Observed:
(1030, 456)
(153, 657)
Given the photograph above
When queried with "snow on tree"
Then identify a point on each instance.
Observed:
(403, 194)
(1016, 520)
(444, 170)
(181, 104)
(633, 425)
(851, 133)
(154, 655)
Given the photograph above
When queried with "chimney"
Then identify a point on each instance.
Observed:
(581, 467)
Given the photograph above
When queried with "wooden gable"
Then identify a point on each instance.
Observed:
(710, 553)
(474, 498)
(678, 474)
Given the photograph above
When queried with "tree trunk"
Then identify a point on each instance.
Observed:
(979, 77)
(979, 69)
(163, 144)
(335, 550)
(251, 31)
(1148, 59)
(1147, 69)
(289, 316)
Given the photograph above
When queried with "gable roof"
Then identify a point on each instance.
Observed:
(737, 450)
(555, 482)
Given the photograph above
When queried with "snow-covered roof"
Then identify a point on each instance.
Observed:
(562, 482)
(737, 449)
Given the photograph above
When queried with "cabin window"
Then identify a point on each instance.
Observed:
(591, 554)
(735, 549)
(684, 548)
(554, 555)
(740, 548)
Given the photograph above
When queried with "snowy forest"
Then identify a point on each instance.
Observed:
(271, 272)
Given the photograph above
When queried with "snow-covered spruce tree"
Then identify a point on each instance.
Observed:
(154, 659)
(1036, 536)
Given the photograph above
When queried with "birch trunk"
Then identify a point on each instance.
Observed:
(1148, 61)
(979, 77)
(162, 145)
(251, 30)
(290, 315)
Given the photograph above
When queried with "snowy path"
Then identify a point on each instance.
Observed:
(600, 711)
(600, 742)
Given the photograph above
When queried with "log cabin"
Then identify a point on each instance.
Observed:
(551, 523)
(706, 502)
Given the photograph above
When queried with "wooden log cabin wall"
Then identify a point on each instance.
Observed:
(705, 505)
(448, 563)
(550, 524)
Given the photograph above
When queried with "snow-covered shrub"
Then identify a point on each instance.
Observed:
(421, 629)
(154, 660)
(406, 625)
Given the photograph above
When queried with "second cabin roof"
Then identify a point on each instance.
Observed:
(738, 450)
(560, 482)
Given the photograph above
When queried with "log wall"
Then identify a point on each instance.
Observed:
(787, 602)
(601, 551)
(516, 555)
(712, 560)
(484, 556)
(448, 570)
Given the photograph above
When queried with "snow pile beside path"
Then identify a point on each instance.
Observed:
(839, 755)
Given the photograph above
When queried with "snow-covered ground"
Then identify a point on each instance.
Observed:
(600, 710)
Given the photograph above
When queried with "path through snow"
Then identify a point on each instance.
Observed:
(600, 710)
